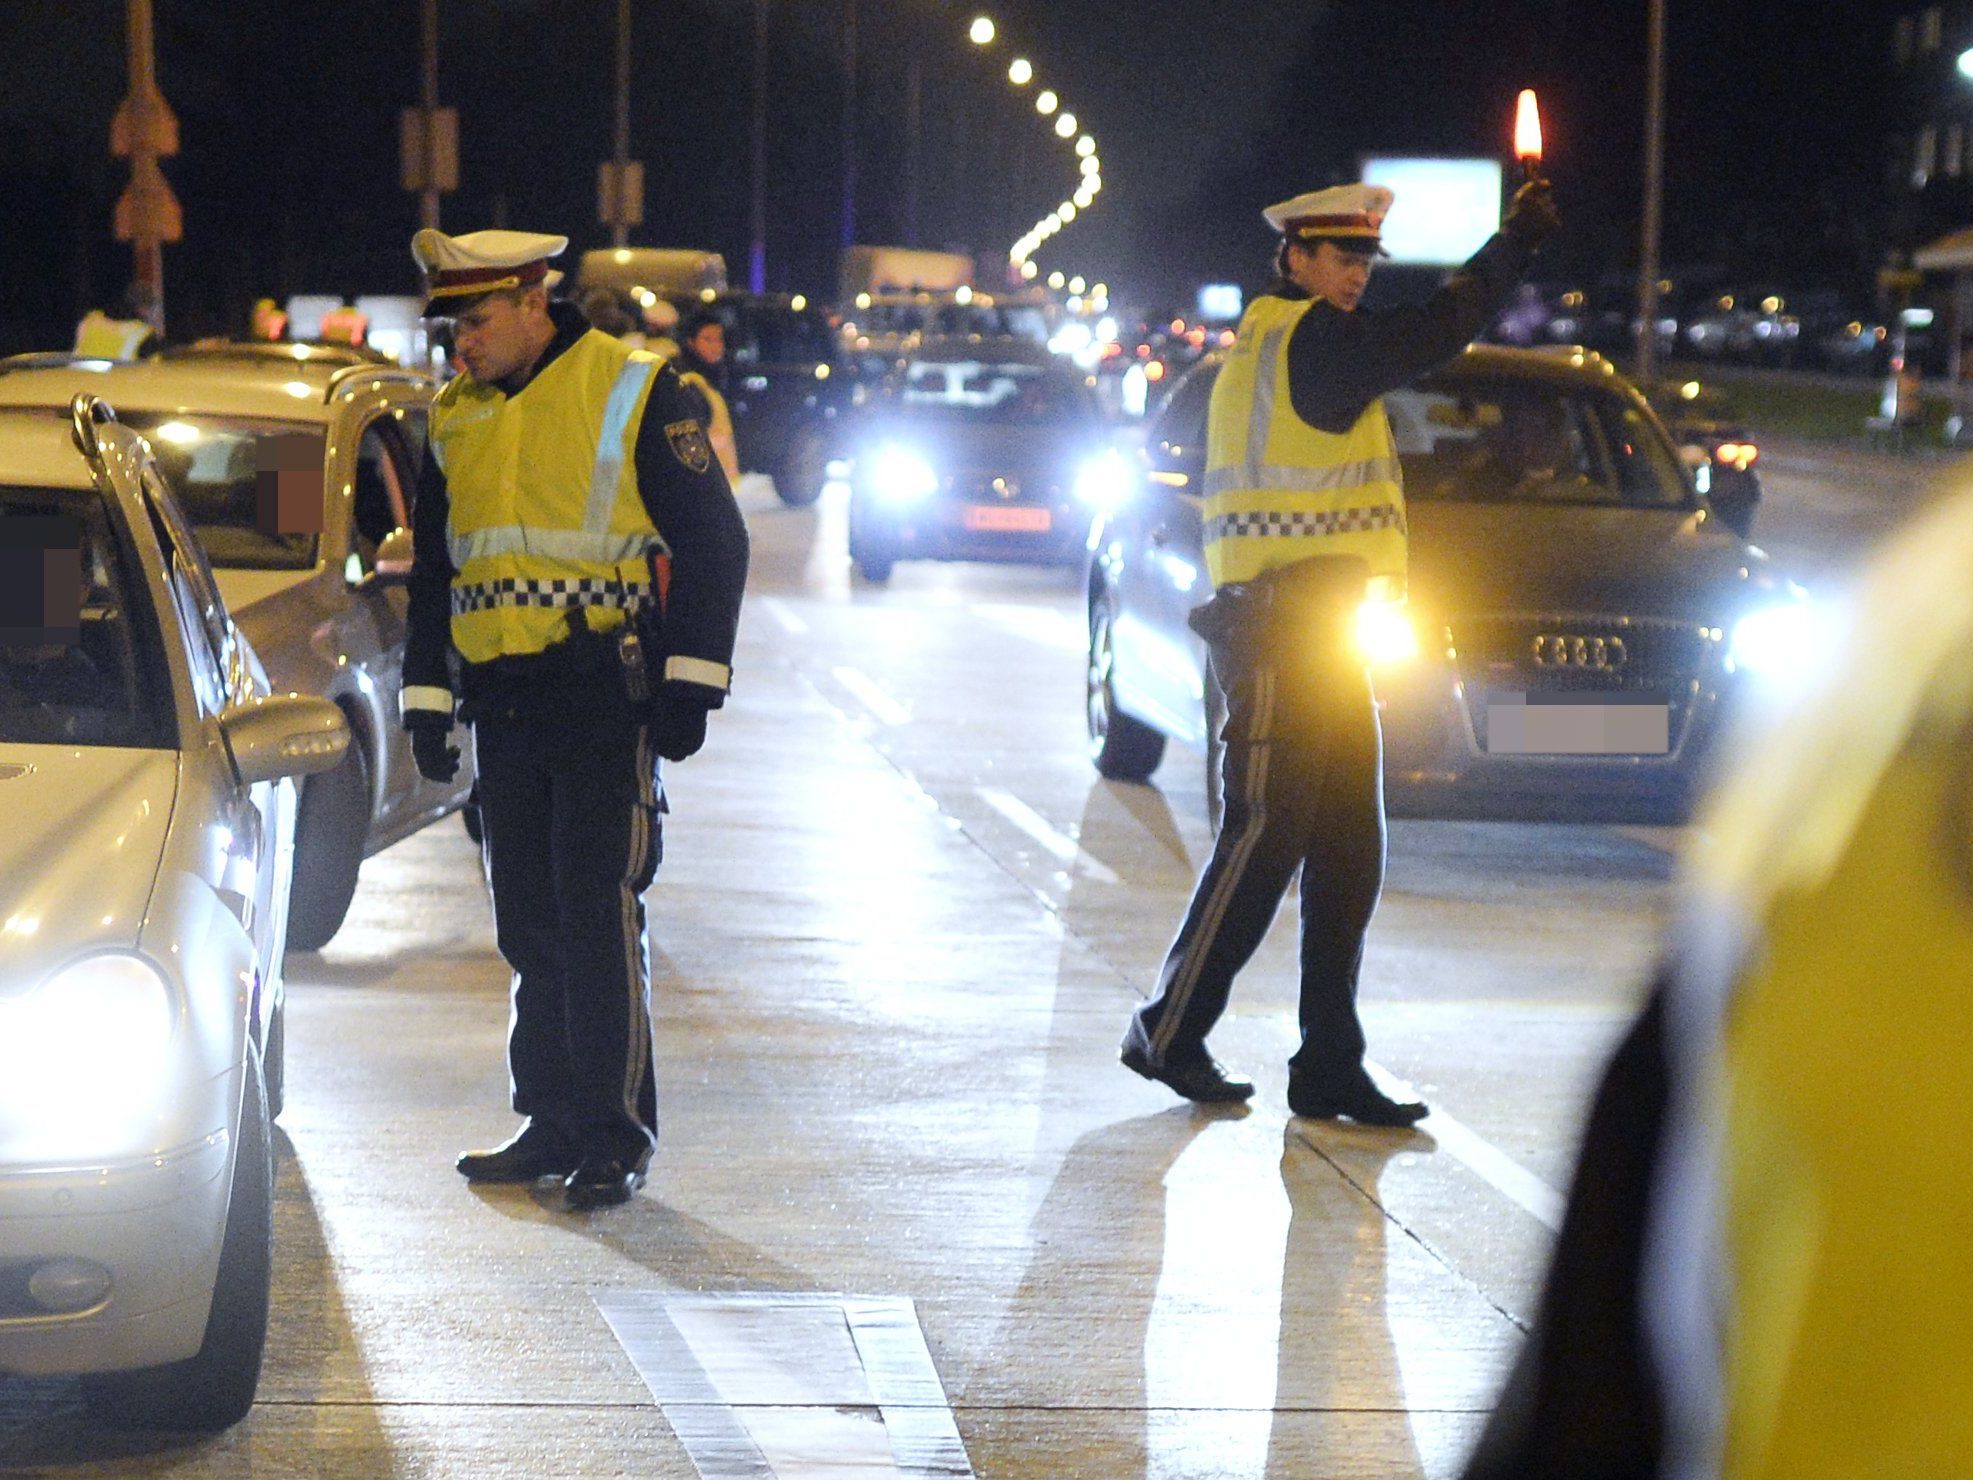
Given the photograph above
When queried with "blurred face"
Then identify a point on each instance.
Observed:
(709, 344)
(501, 336)
(1329, 272)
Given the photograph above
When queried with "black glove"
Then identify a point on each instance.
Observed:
(678, 719)
(437, 759)
(1532, 219)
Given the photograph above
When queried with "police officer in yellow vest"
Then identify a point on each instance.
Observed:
(575, 594)
(1304, 517)
(1766, 1271)
(100, 337)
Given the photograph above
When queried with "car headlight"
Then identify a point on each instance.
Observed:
(94, 1031)
(1104, 483)
(1384, 633)
(1775, 641)
(901, 477)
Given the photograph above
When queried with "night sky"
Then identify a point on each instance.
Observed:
(1204, 113)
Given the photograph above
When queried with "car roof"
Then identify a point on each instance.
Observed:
(991, 349)
(37, 450)
(292, 384)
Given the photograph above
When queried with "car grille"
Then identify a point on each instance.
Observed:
(978, 486)
(1562, 653)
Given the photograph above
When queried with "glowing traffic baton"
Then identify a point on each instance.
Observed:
(1527, 133)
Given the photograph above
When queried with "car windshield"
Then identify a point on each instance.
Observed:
(767, 337)
(90, 671)
(999, 395)
(1514, 440)
(244, 484)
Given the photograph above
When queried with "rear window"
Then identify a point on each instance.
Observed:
(1004, 395)
(767, 337)
(223, 471)
(1508, 440)
(80, 657)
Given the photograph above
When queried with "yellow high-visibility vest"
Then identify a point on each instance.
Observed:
(1277, 489)
(101, 337)
(546, 515)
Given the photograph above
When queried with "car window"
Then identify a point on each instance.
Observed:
(215, 467)
(202, 615)
(99, 679)
(1524, 440)
(768, 336)
(1003, 395)
(1181, 421)
(380, 500)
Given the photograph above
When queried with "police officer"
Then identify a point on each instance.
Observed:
(580, 555)
(1304, 511)
(136, 333)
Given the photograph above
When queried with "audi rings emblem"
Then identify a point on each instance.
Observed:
(1597, 654)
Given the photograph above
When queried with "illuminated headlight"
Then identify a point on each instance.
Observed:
(1384, 634)
(1104, 483)
(1775, 641)
(900, 477)
(92, 1033)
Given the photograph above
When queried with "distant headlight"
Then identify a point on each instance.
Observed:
(1104, 483)
(900, 477)
(92, 1035)
(1384, 634)
(1776, 641)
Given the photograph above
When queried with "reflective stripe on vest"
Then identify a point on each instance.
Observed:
(1278, 490)
(546, 514)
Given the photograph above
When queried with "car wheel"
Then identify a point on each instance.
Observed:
(875, 566)
(1124, 749)
(803, 469)
(214, 1388)
(274, 1062)
(331, 828)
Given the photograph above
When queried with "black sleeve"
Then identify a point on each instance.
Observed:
(1338, 363)
(694, 509)
(428, 640)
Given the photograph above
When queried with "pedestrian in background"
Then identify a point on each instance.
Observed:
(1304, 517)
(580, 559)
(701, 365)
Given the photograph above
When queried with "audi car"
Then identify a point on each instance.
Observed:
(979, 449)
(146, 773)
(297, 465)
(1578, 622)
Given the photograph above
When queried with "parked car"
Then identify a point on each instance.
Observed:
(979, 449)
(145, 766)
(1579, 620)
(1717, 445)
(311, 558)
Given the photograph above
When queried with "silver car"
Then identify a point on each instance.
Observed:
(297, 465)
(144, 873)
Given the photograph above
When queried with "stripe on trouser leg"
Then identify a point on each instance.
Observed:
(1179, 995)
(637, 1041)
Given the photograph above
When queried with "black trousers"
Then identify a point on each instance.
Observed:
(1303, 786)
(570, 802)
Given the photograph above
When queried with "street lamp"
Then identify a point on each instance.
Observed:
(1065, 126)
(1085, 146)
(1966, 62)
(982, 31)
(1046, 103)
(1021, 73)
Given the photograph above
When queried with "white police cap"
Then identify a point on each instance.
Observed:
(1352, 216)
(459, 269)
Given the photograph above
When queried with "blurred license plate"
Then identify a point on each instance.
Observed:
(1577, 724)
(1007, 520)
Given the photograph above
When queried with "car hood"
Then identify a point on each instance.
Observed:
(1543, 558)
(79, 854)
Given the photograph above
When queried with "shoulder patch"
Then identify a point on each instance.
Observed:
(689, 444)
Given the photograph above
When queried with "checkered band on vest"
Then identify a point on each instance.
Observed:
(586, 591)
(1304, 522)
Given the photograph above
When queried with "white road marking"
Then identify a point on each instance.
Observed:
(873, 698)
(1485, 1160)
(1036, 826)
(778, 609)
(1050, 628)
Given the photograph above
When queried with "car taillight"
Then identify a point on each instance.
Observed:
(1740, 455)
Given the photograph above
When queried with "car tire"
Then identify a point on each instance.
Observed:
(875, 567)
(331, 827)
(214, 1388)
(1122, 748)
(803, 468)
(274, 1062)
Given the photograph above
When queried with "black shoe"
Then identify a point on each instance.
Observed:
(1362, 1102)
(602, 1182)
(1202, 1080)
(538, 1151)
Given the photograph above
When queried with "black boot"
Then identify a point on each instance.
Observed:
(537, 1151)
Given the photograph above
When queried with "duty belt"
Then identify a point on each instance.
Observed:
(567, 592)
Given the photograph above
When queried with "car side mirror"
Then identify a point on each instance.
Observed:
(284, 735)
(393, 566)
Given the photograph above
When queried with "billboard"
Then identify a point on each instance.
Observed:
(1445, 209)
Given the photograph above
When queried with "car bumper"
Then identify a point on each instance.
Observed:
(153, 1226)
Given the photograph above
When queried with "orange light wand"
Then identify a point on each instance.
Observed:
(1527, 133)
